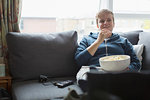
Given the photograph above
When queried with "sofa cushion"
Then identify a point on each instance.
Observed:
(144, 39)
(132, 36)
(138, 49)
(51, 54)
(33, 90)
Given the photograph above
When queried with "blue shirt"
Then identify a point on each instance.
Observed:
(116, 45)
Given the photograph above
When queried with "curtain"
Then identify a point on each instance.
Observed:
(10, 12)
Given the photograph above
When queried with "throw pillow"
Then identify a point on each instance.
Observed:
(51, 54)
(138, 49)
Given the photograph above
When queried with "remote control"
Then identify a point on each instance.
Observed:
(63, 84)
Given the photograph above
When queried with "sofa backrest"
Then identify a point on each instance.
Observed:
(51, 54)
(132, 36)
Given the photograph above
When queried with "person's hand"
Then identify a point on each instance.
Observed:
(126, 69)
(104, 33)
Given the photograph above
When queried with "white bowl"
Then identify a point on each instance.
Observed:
(114, 62)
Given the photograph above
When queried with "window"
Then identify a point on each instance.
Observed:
(59, 15)
(65, 15)
(21, 24)
(131, 6)
(131, 15)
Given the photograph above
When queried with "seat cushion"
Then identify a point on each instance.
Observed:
(33, 90)
(51, 54)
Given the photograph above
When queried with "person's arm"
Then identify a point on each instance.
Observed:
(82, 55)
(135, 63)
(92, 48)
(104, 33)
(85, 52)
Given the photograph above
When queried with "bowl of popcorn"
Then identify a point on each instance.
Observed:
(114, 62)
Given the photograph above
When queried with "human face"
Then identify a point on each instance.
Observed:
(106, 22)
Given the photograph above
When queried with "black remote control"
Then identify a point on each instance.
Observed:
(63, 84)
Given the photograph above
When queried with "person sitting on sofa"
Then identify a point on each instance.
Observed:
(104, 43)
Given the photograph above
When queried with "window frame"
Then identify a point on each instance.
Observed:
(108, 4)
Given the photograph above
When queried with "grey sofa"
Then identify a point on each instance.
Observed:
(31, 55)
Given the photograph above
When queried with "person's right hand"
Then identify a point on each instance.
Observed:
(104, 33)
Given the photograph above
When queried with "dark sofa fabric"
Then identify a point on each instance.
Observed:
(132, 36)
(125, 85)
(33, 90)
(51, 54)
